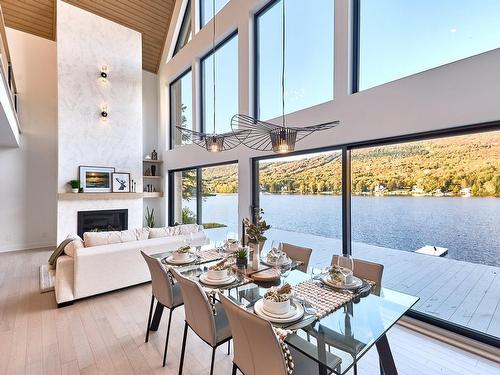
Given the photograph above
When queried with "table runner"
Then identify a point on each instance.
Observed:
(321, 297)
(208, 256)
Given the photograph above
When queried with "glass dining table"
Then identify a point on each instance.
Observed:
(336, 341)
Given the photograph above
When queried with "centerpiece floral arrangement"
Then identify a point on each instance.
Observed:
(281, 294)
(255, 231)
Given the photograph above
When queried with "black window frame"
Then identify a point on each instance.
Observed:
(347, 195)
(219, 45)
(198, 170)
(201, 7)
(171, 144)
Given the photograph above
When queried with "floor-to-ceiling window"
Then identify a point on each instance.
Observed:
(301, 196)
(181, 109)
(399, 37)
(206, 195)
(434, 196)
(206, 9)
(309, 56)
(186, 29)
(226, 86)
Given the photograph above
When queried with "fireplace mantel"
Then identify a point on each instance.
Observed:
(98, 196)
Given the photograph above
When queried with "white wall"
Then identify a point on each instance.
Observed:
(461, 93)
(84, 43)
(28, 181)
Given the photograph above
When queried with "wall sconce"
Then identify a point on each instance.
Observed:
(104, 113)
(103, 76)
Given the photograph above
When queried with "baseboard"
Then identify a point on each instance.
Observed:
(472, 346)
(23, 247)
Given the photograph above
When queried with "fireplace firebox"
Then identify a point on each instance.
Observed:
(102, 221)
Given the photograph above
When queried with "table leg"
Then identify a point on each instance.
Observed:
(155, 323)
(320, 342)
(385, 355)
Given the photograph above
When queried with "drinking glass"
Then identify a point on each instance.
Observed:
(346, 265)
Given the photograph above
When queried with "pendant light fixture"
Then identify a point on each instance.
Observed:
(265, 136)
(213, 142)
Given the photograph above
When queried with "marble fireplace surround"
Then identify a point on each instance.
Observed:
(85, 42)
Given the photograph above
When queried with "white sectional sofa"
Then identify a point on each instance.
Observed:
(106, 261)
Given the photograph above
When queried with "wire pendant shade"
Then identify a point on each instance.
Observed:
(265, 136)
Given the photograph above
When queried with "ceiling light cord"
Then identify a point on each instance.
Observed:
(213, 61)
(283, 63)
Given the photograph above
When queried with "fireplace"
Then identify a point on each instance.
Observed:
(102, 220)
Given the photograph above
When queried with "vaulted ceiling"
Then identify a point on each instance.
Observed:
(150, 17)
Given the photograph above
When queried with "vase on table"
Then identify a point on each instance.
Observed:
(256, 247)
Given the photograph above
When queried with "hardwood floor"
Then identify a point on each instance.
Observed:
(105, 335)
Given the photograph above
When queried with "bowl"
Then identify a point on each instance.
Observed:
(276, 307)
(180, 256)
(217, 275)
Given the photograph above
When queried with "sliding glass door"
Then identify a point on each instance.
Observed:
(206, 195)
(301, 196)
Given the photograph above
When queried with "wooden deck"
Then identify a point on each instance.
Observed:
(463, 293)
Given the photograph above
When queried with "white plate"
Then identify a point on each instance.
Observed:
(170, 259)
(207, 281)
(264, 260)
(299, 312)
(356, 283)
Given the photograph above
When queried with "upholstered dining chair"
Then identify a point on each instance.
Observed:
(257, 350)
(364, 270)
(165, 292)
(367, 270)
(210, 325)
(298, 253)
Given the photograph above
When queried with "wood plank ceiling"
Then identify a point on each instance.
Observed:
(149, 17)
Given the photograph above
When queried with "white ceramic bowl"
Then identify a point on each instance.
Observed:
(217, 275)
(180, 256)
(276, 307)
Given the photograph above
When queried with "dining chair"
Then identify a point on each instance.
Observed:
(368, 271)
(210, 325)
(298, 253)
(164, 291)
(364, 270)
(257, 349)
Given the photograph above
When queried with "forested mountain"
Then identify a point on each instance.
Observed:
(449, 166)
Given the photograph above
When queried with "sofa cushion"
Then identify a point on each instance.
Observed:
(182, 229)
(160, 232)
(106, 238)
(70, 248)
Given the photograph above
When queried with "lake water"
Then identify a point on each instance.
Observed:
(468, 227)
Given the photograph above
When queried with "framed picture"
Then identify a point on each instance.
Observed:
(121, 182)
(96, 179)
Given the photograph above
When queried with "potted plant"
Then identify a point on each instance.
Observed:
(150, 217)
(255, 234)
(241, 257)
(75, 185)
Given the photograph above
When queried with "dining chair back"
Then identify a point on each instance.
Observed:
(197, 309)
(298, 253)
(368, 271)
(256, 348)
(160, 281)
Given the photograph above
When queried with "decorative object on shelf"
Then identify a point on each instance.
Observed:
(255, 234)
(104, 113)
(75, 185)
(147, 172)
(153, 170)
(150, 217)
(264, 136)
(103, 75)
(154, 155)
(147, 157)
(213, 142)
(242, 257)
(121, 182)
(96, 179)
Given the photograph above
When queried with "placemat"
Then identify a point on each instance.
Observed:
(322, 298)
(208, 256)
